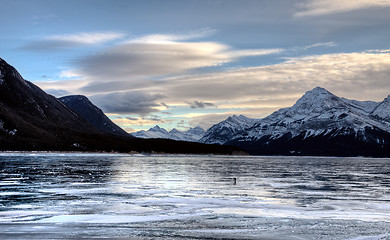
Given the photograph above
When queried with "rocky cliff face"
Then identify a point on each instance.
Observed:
(94, 115)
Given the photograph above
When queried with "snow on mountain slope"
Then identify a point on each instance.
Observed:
(317, 112)
(192, 135)
(382, 110)
(155, 132)
(225, 130)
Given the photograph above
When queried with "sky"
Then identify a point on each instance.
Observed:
(187, 63)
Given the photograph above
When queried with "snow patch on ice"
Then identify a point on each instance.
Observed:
(380, 237)
(105, 218)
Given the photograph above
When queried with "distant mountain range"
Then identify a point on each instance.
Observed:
(30, 119)
(191, 135)
(319, 123)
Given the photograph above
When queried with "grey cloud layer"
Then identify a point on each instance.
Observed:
(345, 74)
(148, 60)
(127, 102)
(200, 104)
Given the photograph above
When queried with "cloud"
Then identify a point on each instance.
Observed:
(58, 42)
(131, 102)
(132, 118)
(153, 119)
(324, 7)
(138, 62)
(71, 86)
(200, 104)
(69, 74)
(146, 122)
(345, 74)
(258, 91)
(255, 52)
(169, 38)
(135, 60)
(58, 92)
(255, 90)
(315, 45)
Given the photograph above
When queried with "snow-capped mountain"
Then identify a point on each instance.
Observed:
(382, 110)
(191, 135)
(318, 123)
(317, 112)
(225, 130)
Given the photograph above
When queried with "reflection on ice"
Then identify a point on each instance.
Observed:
(183, 197)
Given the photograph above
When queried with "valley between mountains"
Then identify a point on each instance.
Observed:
(319, 123)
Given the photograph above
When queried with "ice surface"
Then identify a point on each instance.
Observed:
(46, 196)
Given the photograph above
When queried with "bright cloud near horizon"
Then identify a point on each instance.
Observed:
(188, 63)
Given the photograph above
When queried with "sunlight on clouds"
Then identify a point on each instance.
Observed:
(323, 7)
(254, 52)
(131, 60)
(66, 41)
(71, 86)
(154, 57)
(87, 38)
(69, 74)
(258, 91)
(169, 38)
(136, 124)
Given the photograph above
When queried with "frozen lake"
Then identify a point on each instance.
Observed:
(75, 196)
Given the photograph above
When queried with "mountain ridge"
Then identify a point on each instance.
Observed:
(94, 115)
(32, 120)
(191, 135)
(319, 123)
(322, 117)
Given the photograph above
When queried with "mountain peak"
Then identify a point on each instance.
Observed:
(196, 128)
(174, 130)
(317, 100)
(158, 129)
(237, 118)
(94, 115)
(9, 74)
(74, 97)
(317, 91)
(192, 135)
